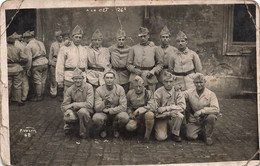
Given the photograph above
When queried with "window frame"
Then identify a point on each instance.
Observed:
(229, 46)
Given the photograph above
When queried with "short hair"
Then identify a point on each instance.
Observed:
(199, 76)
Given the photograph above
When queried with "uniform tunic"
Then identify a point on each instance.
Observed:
(97, 59)
(144, 56)
(118, 61)
(183, 62)
(36, 48)
(165, 53)
(68, 59)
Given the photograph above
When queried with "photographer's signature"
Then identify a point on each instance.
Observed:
(28, 131)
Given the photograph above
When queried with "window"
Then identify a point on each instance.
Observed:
(239, 29)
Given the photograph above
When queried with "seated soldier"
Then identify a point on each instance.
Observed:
(170, 105)
(78, 104)
(110, 106)
(204, 110)
(141, 107)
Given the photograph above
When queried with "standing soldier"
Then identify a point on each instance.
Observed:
(39, 64)
(204, 110)
(26, 68)
(165, 50)
(70, 57)
(119, 53)
(170, 105)
(184, 63)
(54, 51)
(110, 106)
(141, 107)
(144, 61)
(15, 58)
(78, 104)
(98, 60)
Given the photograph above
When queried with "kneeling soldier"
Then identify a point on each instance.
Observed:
(170, 104)
(78, 104)
(204, 110)
(141, 107)
(110, 106)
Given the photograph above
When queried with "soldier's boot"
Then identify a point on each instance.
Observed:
(38, 97)
(18, 95)
(149, 122)
(60, 94)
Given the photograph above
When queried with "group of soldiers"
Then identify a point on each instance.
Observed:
(122, 87)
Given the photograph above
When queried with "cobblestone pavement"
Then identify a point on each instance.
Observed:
(236, 139)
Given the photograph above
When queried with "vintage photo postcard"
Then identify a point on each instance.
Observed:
(145, 82)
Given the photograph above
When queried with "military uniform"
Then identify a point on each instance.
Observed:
(26, 68)
(170, 105)
(141, 108)
(78, 105)
(54, 51)
(207, 102)
(184, 64)
(39, 65)
(14, 59)
(145, 58)
(117, 108)
(69, 58)
(98, 61)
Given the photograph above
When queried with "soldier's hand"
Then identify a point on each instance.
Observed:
(197, 113)
(138, 72)
(149, 75)
(136, 113)
(161, 110)
(106, 110)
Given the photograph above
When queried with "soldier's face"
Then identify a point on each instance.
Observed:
(199, 84)
(96, 43)
(109, 79)
(59, 38)
(182, 44)
(165, 39)
(77, 39)
(26, 39)
(78, 81)
(168, 84)
(138, 88)
(144, 39)
(121, 41)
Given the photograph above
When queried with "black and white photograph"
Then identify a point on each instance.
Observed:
(129, 82)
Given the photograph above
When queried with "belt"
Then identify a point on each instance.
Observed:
(120, 68)
(184, 73)
(144, 68)
(96, 69)
(37, 57)
(73, 68)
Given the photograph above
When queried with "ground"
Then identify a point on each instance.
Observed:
(236, 138)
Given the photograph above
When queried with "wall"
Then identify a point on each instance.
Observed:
(203, 24)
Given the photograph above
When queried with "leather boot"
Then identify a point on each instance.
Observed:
(60, 94)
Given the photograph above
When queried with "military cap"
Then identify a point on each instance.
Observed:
(58, 33)
(16, 35)
(120, 33)
(11, 38)
(27, 34)
(181, 35)
(167, 75)
(77, 73)
(77, 30)
(32, 33)
(97, 34)
(143, 31)
(138, 80)
(165, 31)
(199, 76)
(109, 71)
(131, 125)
